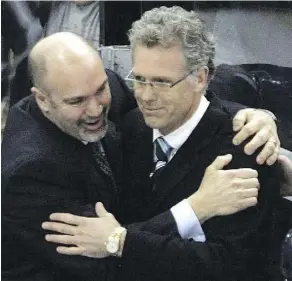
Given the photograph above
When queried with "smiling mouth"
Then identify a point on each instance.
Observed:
(152, 109)
(93, 125)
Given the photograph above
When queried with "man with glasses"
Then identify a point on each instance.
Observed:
(173, 61)
(61, 153)
(160, 83)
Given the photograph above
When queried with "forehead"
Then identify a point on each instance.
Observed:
(158, 61)
(78, 79)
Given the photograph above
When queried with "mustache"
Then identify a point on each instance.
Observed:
(102, 115)
(92, 119)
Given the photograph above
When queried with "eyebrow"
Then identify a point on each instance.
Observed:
(97, 91)
(102, 85)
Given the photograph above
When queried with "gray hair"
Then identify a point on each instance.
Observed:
(168, 27)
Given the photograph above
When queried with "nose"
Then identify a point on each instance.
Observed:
(94, 107)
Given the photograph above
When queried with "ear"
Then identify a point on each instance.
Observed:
(201, 79)
(41, 99)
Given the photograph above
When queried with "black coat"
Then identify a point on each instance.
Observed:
(237, 246)
(45, 170)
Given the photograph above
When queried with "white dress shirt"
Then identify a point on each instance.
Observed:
(187, 222)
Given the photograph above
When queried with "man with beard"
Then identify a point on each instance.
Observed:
(167, 150)
(60, 153)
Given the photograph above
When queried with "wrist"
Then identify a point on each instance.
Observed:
(122, 242)
(270, 113)
(200, 207)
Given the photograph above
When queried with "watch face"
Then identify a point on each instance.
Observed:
(112, 247)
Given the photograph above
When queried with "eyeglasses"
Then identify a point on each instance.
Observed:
(139, 82)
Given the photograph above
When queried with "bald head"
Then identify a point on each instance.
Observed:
(55, 56)
(71, 86)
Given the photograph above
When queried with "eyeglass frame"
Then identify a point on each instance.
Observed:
(169, 85)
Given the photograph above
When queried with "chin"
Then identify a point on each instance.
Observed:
(94, 137)
(153, 123)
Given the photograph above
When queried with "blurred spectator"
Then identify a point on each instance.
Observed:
(79, 17)
(20, 30)
(25, 20)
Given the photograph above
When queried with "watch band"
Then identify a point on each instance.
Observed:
(113, 245)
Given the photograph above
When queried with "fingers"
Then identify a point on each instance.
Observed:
(257, 141)
(249, 193)
(249, 202)
(244, 173)
(269, 153)
(62, 239)
(284, 160)
(68, 218)
(59, 227)
(240, 119)
(248, 198)
(220, 162)
(71, 251)
(101, 211)
(261, 125)
(248, 130)
(271, 148)
(247, 184)
(273, 158)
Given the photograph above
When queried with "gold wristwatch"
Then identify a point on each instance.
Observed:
(113, 244)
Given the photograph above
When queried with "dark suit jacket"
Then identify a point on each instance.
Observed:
(43, 171)
(237, 245)
(123, 100)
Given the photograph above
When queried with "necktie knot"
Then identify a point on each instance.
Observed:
(162, 150)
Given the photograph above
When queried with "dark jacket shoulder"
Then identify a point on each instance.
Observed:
(123, 99)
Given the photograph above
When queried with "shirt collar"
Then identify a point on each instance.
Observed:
(177, 138)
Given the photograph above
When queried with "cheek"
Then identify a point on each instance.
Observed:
(177, 105)
(138, 99)
(167, 101)
(136, 96)
(72, 115)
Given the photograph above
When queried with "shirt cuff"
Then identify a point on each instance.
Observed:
(187, 222)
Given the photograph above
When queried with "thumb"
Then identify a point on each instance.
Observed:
(100, 210)
(285, 163)
(284, 160)
(221, 161)
(240, 119)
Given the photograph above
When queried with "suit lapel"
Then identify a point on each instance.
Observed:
(187, 156)
(147, 153)
(143, 159)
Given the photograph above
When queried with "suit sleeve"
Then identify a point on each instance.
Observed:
(27, 203)
(235, 244)
(233, 107)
